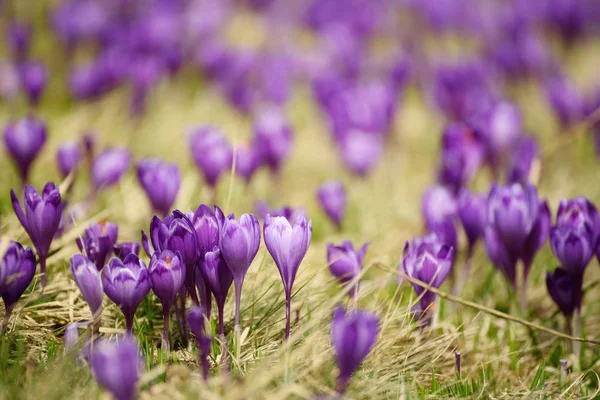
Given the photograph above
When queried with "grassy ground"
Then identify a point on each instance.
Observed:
(501, 359)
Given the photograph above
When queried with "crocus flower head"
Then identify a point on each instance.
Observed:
(503, 131)
(197, 320)
(207, 228)
(353, 335)
(361, 151)
(525, 164)
(273, 137)
(161, 181)
(429, 260)
(88, 281)
(17, 269)
(167, 274)
(34, 76)
(212, 153)
(239, 243)
(461, 156)
(68, 157)
(109, 167)
(565, 290)
(18, 38)
(40, 219)
(218, 277)
(98, 241)
(538, 235)
(24, 140)
(565, 100)
(116, 366)
(263, 208)
(439, 211)
(126, 283)
(247, 160)
(345, 263)
(332, 198)
(122, 250)
(471, 210)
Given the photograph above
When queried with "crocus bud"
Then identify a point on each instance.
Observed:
(116, 366)
(361, 151)
(18, 38)
(332, 198)
(161, 181)
(34, 76)
(88, 281)
(344, 262)
(503, 132)
(499, 256)
(212, 153)
(525, 167)
(565, 100)
(457, 362)
(122, 250)
(206, 227)
(24, 140)
(462, 154)
(538, 235)
(40, 219)
(565, 289)
(126, 283)
(471, 210)
(353, 336)
(167, 274)
(273, 137)
(68, 157)
(17, 269)
(98, 241)
(247, 161)
(439, 211)
(197, 321)
(109, 166)
(218, 277)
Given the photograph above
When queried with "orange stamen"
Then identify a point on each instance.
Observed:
(168, 260)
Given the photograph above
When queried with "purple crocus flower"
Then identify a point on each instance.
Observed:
(565, 100)
(525, 164)
(287, 244)
(167, 275)
(98, 241)
(161, 181)
(429, 260)
(207, 228)
(565, 289)
(461, 156)
(17, 269)
(197, 321)
(109, 167)
(88, 281)
(212, 153)
(126, 283)
(40, 219)
(273, 137)
(122, 250)
(263, 208)
(218, 278)
(116, 366)
(503, 130)
(247, 161)
(345, 263)
(471, 210)
(33, 76)
(439, 212)
(68, 157)
(332, 198)
(353, 335)
(18, 38)
(239, 242)
(24, 140)
(361, 151)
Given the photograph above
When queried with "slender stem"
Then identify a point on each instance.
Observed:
(7, 315)
(129, 322)
(577, 333)
(165, 338)
(523, 298)
(204, 361)
(464, 274)
(96, 317)
(288, 306)
(220, 308)
(238, 296)
(178, 318)
(43, 269)
(192, 289)
(342, 384)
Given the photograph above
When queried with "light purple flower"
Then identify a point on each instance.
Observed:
(332, 199)
(68, 157)
(212, 153)
(345, 263)
(109, 167)
(24, 140)
(17, 269)
(33, 75)
(272, 137)
(98, 241)
(361, 151)
(218, 277)
(471, 210)
(88, 281)
(197, 320)
(161, 181)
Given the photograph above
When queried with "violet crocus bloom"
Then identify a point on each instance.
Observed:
(161, 181)
(428, 260)
(361, 151)
(24, 140)
(17, 269)
(263, 208)
(218, 277)
(247, 161)
(353, 335)
(565, 289)
(109, 167)
(503, 132)
(33, 76)
(332, 199)
(116, 366)
(239, 243)
(126, 283)
(86, 276)
(98, 241)
(565, 100)
(197, 321)
(122, 250)
(345, 263)
(287, 244)
(471, 210)
(461, 156)
(273, 137)
(212, 153)
(439, 211)
(40, 219)
(525, 164)
(18, 38)
(68, 157)
(167, 275)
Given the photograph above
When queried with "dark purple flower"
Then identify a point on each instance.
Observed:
(471, 211)
(287, 244)
(461, 156)
(161, 181)
(353, 335)
(345, 263)
(207, 228)
(332, 199)
(197, 321)
(218, 277)
(116, 366)
(40, 219)
(499, 256)
(565, 100)
(212, 153)
(34, 76)
(439, 212)
(361, 151)
(537, 237)
(98, 241)
(68, 157)
(565, 290)
(24, 140)
(17, 269)
(122, 250)
(88, 281)
(126, 283)
(109, 166)
(502, 132)
(272, 137)
(18, 38)
(247, 161)
(525, 163)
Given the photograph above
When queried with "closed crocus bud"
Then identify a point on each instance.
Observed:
(212, 153)
(332, 198)
(287, 244)
(439, 212)
(525, 166)
(429, 260)
(18, 39)
(206, 227)
(34, 76)
(98, 241)
(68, 157)
(161, 181)
(116, 366)
(273, 137)
(361, 151)
(565, 289)
(109, 167)
(41, 219)
(17, 269)
(503, 132)
(353, 335)
(126, 283)
(197, 320)
(218, 277)
(239, 244)
(122, 250)
(247, 161)
(345, 263)
(462, 154)
(182, 240)
(565, 100)
(538, 235)
(499, 256)
(88, 281)
(471, 210)
(24, 140)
